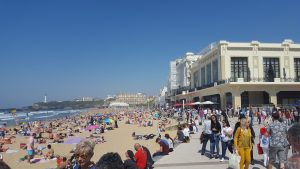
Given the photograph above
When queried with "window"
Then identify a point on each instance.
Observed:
(239, 67)
(203, 76)
(297, 69)
(215, 70)
(208, 70)
(271, 69)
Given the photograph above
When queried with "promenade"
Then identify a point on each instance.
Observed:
(186, 155)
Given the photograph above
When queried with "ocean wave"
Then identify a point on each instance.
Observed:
(7, 119)
(43, 117)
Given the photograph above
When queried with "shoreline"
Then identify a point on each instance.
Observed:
(118, 140)
(13, 124)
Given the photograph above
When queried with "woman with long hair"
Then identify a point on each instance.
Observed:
(216, 132)
(243, 143)
(226, 137)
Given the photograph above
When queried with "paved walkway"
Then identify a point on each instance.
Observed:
(186, 156)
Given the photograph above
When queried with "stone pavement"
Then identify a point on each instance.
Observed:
(186, 155)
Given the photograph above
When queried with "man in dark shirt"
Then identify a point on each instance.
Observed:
(164, 148)
(180, 135)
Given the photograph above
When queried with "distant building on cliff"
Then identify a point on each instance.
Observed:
(133, 98)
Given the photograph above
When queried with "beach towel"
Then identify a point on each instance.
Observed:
(92, 127)
(73, 140)
(41, 160)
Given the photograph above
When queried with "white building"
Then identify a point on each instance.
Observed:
(243, 74)
(180, 74)
(161, 99)
(84, 99)
(132, 98)
(172, 83)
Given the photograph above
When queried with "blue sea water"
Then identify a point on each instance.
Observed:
(20, 117)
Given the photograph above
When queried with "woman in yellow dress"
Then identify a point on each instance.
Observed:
(243, 144)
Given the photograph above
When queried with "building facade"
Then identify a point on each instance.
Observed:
(160, 100)
(132, 98)
(180, 75)
(242, 74)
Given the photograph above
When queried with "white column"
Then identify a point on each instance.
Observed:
(236, 96)
(273, 96)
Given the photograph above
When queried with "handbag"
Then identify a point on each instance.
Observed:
(202, 137)
(234, 161)
(259, 149)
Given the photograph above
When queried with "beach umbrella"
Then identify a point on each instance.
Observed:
(108, 120)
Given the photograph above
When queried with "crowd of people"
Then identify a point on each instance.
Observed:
(278, 132)
(279, 129)
(58, 130)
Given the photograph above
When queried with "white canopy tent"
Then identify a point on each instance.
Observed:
(207, 102)
(197, 103)
(118, 104)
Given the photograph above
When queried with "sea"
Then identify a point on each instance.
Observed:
(20, 117)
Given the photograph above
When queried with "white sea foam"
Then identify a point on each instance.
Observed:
(43, 117)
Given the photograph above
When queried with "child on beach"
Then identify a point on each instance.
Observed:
(30, 148)
(50, 153)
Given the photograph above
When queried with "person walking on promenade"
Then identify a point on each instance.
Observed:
(264, 144)
(226, 137)
(202, 117)
(258, 114)
(216, 132)
(196, 121)
(251, 116)
(278, 141)
(238, 124)
(243, 143)
(207, 134)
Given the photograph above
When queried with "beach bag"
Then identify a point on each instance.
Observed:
(202, 137)
(22, 145)
(234, 161)
(259, 149)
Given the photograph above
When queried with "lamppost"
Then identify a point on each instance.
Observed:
(148, 103)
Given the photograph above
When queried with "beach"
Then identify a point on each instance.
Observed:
(118, 140)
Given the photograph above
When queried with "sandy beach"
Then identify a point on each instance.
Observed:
(118, 140)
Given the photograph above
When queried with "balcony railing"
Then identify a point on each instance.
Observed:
(254, 79)
(178, 91)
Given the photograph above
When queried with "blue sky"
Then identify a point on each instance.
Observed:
(72, 48)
